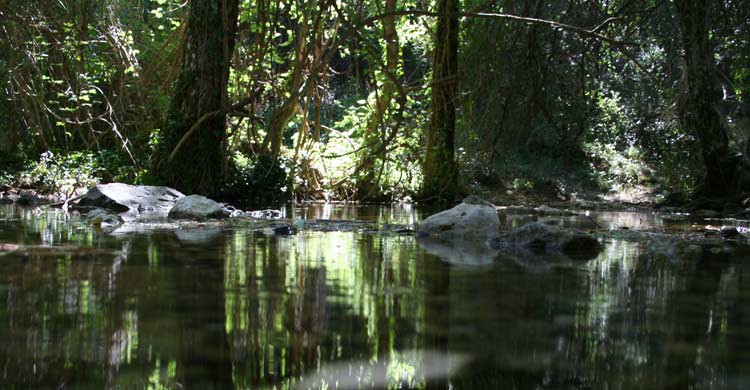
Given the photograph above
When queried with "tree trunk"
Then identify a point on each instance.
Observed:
(191, 155)
(440, 174)
(366, 184)
(698, 112)
(286, 111)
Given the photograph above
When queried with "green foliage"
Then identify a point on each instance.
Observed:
(625, 152)
(258, 183)
(66, 173)
(617, 163)
(539, 107)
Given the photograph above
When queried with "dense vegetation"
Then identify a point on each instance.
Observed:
(380, 100)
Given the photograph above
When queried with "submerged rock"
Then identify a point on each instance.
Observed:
(473, 219)
(728, 231)
(551, 211)
(121, 198)
(103, 217)
(103, 220)
(197, 207)
(541, 238)
(284, 230)
(705, 213)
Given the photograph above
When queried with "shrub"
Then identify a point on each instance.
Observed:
(260, 183)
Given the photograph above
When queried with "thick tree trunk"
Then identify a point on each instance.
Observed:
(191, 156)
(699, 113)
(440, 174)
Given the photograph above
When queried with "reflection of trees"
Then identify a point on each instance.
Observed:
(59, 324)
(243, 310)
(652, 323)
(294, 304)
(94, 311)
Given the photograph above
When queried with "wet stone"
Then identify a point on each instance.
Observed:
(197, 207)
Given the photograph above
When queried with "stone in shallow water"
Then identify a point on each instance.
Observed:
(121, 198)
(284, 230)
(707, 214)
(728, 231)
(541, 238)
(476, 220)
(551, 211)
(197, 207)
(103, 217)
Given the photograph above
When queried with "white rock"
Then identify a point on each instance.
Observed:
(469, 221)
(197, 207)
(121, 198)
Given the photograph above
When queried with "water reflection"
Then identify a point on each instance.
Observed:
(399, 370)
(467, 253)
(232, 308)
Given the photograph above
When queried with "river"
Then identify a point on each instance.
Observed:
(229, 307)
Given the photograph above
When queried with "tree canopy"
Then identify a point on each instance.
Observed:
(384, 100)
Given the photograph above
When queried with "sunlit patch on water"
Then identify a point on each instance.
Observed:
(400, 370)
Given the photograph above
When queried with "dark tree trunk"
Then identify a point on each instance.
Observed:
(440, 175)
(698, 112)
(191, 157)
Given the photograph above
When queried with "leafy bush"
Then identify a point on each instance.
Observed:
(67, 173)
(259, 183)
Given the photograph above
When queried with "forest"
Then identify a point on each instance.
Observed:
(404, 194)
(267, 101)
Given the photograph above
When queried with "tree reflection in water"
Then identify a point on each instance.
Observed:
(237, 309)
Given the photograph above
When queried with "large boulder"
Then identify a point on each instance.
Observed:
(473, 219)
(197, 207)
(540, 238)
(122, 198)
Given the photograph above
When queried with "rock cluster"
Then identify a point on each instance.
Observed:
(475, 224)
(152, 201)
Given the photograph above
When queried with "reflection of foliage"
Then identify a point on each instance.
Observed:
(317, 281)
(291, 305)
(163, 378)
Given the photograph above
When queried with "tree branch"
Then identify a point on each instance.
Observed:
(485, 15)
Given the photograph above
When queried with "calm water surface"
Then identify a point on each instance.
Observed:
(232, 308)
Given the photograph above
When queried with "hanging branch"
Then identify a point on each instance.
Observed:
(486, 15)
(590, 33)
